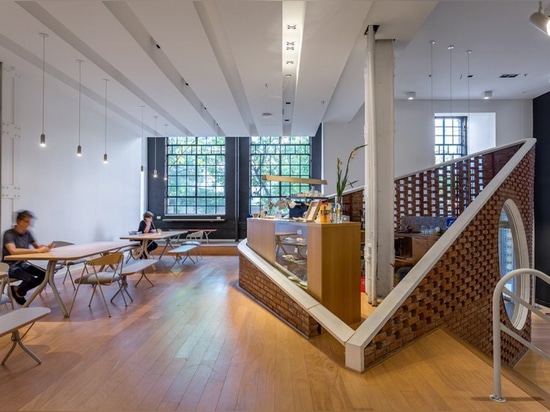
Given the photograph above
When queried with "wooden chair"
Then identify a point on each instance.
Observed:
(195, 238)
(101, 271)
(5, 291)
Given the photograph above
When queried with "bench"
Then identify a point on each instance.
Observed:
(138, 266)
(185, 250)
(131, 269)
(14, 320)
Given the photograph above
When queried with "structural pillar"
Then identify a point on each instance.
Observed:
(379, 167)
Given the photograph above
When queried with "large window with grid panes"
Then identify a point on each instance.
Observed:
(281, 156)
(450, 137)
(195, 176)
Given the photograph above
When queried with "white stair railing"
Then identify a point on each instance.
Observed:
(498, 326)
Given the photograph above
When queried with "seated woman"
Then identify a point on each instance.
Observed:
(147, 226)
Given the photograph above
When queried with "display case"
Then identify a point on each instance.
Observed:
(323, 259)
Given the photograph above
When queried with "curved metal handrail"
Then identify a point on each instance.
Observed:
(498, 326)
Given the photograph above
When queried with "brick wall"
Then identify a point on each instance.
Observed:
(457, 292)
(255, 282)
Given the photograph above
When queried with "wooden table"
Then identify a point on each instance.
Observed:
(66, 253)
(145, 238)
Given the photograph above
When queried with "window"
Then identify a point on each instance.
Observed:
(513, 254)
(450, 138)
(283, 156)
(196, 171)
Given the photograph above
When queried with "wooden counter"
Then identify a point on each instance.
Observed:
(333, 260)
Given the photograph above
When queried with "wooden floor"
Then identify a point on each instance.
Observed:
(195, 341)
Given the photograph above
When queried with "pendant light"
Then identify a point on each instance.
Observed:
(155, 174)
(43, 135)
(105, 158)
(468, 53)
(432, 43)
(166, 137)
(79, 147)
(142, 167)
(451, 48)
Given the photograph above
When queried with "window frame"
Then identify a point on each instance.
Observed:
(454, 144)
(202, 155)
(263, 195)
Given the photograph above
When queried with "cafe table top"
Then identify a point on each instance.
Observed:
(72, 252)
(165, 234)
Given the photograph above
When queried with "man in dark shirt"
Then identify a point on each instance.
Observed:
(17, 241)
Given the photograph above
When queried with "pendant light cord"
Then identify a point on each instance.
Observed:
(43, 77)
(432, 43)
(106, 80)
(79, 96)
(155, 171)
(451, 47)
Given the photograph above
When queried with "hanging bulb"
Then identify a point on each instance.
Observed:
(79, 147)
(105, 159)
(155, 174)
(43, 135)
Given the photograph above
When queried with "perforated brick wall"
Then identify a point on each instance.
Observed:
(457, 292)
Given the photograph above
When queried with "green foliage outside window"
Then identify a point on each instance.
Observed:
(281, 156)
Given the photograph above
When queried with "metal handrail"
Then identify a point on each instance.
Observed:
(498, 326)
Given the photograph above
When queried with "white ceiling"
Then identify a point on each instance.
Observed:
(218, 67)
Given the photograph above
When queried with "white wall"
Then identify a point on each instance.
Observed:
(414, 124)
(74, 199)
(339, 139)
(414, 133)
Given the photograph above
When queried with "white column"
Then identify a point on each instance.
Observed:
(379, 166)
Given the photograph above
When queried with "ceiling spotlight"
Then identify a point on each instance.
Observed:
(487, 94)
(540, 20)
(410, 95)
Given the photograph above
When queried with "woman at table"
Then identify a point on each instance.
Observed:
(18, 240)
(147, 226)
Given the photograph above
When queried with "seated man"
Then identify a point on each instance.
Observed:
(147, 226)
(17, 241)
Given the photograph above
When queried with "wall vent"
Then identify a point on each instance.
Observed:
(508, 76)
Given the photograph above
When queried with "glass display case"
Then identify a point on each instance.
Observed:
(291, 251)
(323, 259)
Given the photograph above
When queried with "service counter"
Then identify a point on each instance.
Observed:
(323, 259)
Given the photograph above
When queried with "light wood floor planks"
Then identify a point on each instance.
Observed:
(196, 342)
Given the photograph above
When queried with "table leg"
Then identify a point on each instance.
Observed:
(16, 340)
(166, 243)
(48, 278)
